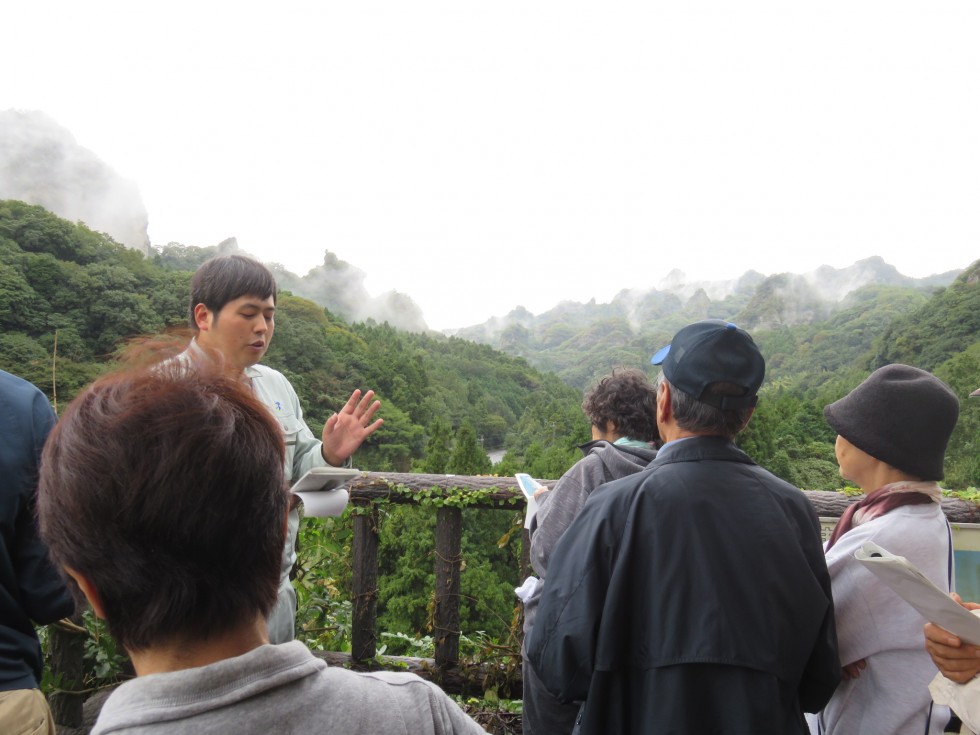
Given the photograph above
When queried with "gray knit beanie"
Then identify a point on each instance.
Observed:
(900, 415)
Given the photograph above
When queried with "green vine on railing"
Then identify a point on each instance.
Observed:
(457, 497)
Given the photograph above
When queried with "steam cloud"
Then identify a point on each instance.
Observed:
(42, 163)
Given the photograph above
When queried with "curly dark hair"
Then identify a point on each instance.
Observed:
(628, 399)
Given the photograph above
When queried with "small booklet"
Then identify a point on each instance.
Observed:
(528, 486)
(322, 492)
(917, 590)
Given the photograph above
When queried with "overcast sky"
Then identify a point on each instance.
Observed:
(477, 156)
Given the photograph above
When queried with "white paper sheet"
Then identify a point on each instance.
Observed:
(527, 486)
(321, 490)
(916, 589)
(321, 504)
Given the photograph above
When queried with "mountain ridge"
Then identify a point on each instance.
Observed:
(825, 286)
(580, 341)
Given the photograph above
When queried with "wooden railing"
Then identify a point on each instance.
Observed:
(366, 492)
(499, 493)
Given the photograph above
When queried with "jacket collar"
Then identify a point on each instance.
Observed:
(699, 448)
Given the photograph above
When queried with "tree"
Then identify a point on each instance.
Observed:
(436, 456)
(468, 457)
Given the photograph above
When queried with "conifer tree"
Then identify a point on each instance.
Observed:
(436, 455)
(468, 457)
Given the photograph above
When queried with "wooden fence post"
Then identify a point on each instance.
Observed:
(364, 639)
(449, 537)
(66, 653)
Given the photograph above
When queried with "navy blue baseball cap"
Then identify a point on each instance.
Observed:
(713, 351)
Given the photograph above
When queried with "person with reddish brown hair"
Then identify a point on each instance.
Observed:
(162, 495)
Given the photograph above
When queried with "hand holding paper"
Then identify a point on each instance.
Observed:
(957, 661)
(528, 486)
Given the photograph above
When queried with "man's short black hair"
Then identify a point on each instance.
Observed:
(164, 488)
(226, 278)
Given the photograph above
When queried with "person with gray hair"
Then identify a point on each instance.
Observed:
(692, 596)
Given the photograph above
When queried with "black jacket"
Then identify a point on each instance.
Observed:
(690, 597)
(30, 588)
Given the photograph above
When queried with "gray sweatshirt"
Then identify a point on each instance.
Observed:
(280, 689)
(603, 462)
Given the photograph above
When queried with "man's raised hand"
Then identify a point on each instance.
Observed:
(346, 429)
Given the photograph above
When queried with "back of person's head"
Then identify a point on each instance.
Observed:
(900, 415)
(165, 490)
(715, 371)
(226, 278)
(627, 399)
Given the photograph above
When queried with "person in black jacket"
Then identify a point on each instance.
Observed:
(692, 597)
(30, 587)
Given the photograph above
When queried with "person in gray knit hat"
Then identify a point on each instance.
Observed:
(892, 432)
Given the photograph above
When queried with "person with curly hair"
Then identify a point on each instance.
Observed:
(622, 409)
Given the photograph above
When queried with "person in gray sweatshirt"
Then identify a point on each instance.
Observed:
(622, 410)
(162, 496)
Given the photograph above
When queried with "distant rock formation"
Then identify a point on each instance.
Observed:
(42, 163)
(339, 286)
(755, 301)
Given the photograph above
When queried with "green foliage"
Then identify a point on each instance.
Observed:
(406, 570)
(962, 373)
(322, 583)
(467, 457)
(933, 333)
(105, 662)
(183, 258)
(406, 583)
(64, 286)
(436, 456)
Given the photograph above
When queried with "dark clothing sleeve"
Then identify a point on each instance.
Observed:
(30, 587)
(822, 673)
(562, 644)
